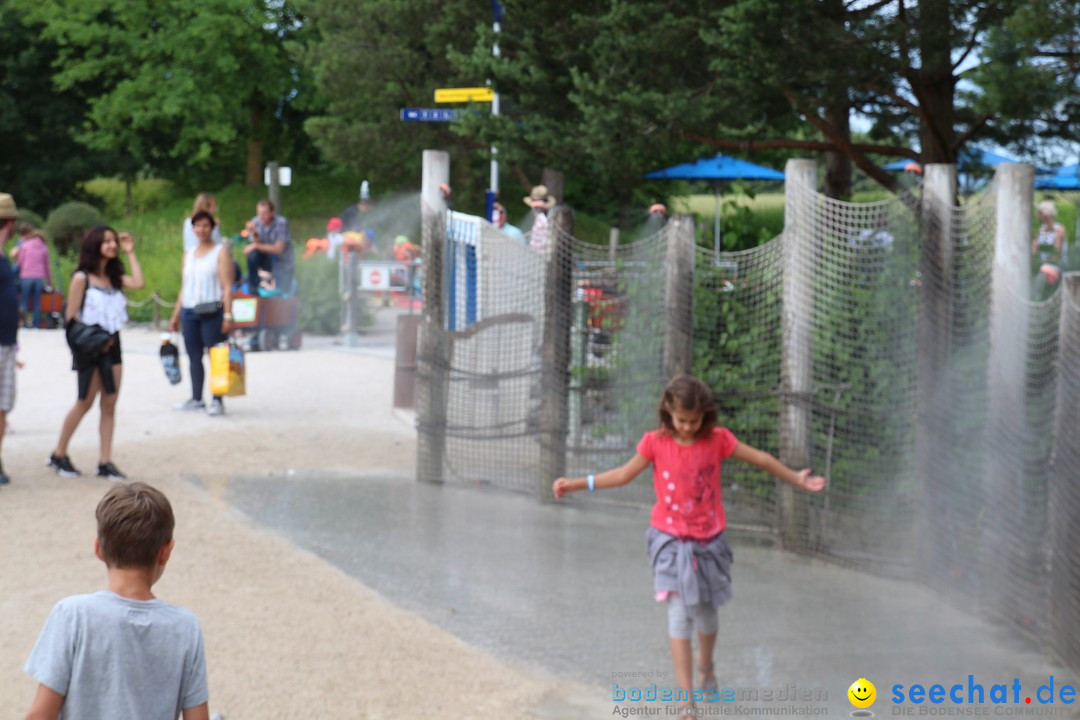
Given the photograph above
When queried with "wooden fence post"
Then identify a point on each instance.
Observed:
(433, 354)
(796, 354)
(1006, 379)
(555, 356)
(1063, 512)
(679, 297)
(932, 332)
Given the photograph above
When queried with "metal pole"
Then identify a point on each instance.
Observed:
(496, 9)
(716, 225)
(275, 186)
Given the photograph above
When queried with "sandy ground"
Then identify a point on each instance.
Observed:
(287, 634)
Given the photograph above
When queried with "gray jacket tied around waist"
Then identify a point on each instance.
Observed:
(699, 571)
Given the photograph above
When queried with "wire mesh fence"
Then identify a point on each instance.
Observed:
(882, 344)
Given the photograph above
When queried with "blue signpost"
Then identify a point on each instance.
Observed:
(428, 114)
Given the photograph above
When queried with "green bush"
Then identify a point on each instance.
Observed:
(320, 304)
(68, 223)
(146, 195)
(29, 216)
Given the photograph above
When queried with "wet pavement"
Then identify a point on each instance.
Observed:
(566, 589)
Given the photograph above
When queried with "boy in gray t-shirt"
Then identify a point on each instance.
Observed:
(121, 653)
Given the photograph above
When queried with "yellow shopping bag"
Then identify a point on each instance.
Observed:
(227, 368)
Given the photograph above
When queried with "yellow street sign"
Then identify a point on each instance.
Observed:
(460, 95)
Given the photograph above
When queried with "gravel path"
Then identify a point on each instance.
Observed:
(287, 634)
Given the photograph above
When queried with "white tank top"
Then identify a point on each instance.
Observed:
(201, 281)
(106, 307)
(1047, 239)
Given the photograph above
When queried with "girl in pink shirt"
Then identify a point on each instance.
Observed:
(691, 558)
(32, 256)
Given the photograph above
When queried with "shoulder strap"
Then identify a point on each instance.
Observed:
(85, 289)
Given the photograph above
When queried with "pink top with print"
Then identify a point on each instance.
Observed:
(687, 482)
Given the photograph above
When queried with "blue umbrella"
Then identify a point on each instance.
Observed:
(1057, 182)
(717, 168)
(967, 159)
(1063, 178)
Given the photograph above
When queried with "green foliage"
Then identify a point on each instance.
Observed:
(371, 59)
(159, 247)
(146, 195)
(67, 224)
(1029, 76)
(735, 315)
(864, 330)
(41, 162)
(864, 315)
(29, 216)
(320, 312)
(320, 309)
(601, 92)
(175, 85)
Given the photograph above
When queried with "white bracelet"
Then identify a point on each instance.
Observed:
(591, 481)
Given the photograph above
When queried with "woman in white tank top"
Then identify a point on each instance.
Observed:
(96, 297)
(1050, 239)
(203, 308)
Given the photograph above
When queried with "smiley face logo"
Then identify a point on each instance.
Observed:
(862, 693)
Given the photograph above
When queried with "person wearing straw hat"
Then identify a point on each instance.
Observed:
(540, 201)
(9, 319)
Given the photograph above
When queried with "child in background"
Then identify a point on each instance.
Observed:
(121, 652)
(690, 556)
(334, 236)
(32, 259)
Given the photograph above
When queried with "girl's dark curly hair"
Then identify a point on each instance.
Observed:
(688, 394)
(90, 256)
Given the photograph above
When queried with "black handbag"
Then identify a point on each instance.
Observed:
(86, 341)
(207, 309)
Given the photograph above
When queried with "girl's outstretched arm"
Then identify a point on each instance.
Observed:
(763, 460)
(607, 479)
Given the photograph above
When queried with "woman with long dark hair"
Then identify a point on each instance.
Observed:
(96, 297)
(204, 307)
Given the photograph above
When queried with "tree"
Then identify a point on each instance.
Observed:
(42, 162)
(599, 89)
(609, 88)
(181, 82)
(1028, 78)
(906, 64)
(372, 59)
